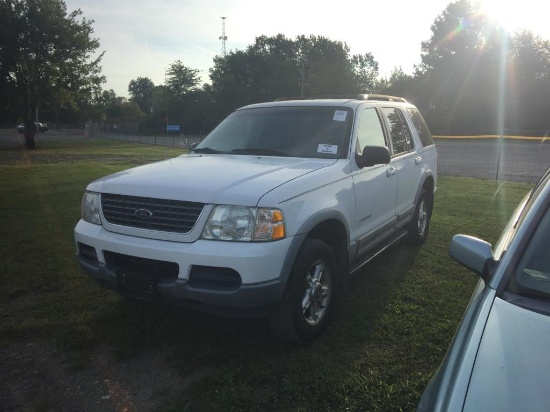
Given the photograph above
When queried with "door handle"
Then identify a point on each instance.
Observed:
(390, 171)
(417, 160)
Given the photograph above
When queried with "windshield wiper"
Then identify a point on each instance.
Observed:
(259, 151)
(206, 150)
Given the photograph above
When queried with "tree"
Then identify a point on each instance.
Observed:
(402, 85)
(46, 56)
(181, 80)
(366, 72)
(141, 92)
(266, 70)
(275, 67)
(461, 66)
(329, 68)
(528, 84)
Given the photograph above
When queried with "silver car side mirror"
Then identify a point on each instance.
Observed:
(473, 253)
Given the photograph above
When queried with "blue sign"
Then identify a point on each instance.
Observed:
(173, 128)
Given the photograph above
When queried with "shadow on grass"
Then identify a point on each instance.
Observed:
(254, 370)
(370, 289)
(136, 326)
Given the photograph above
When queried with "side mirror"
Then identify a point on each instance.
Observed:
(473, 253)
(373, 155)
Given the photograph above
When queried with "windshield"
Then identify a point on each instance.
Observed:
(313, 132)
(532, 274)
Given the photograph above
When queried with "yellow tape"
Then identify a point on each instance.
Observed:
(495, 136)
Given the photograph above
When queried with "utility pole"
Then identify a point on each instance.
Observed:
(223, 37)
(302, 83)
(166, 99)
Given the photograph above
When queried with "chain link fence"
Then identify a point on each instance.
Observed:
(517, 155)
(131, 132)
(509, 157)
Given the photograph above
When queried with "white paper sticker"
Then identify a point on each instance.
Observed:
(327, 148)
(340, 115)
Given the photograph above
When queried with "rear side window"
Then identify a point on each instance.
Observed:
(421, 127)
(399, 130)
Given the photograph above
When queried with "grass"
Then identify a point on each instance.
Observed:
(388, 335)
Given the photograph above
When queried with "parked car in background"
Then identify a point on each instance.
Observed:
(39, 127)
(499, 359)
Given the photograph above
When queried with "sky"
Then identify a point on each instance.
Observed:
(141, 38)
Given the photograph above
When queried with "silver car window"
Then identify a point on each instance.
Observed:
(532, 273)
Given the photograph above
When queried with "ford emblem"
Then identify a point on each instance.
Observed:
(143, 213)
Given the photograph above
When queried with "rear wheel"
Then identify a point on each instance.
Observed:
(420, 224)
(308, 302)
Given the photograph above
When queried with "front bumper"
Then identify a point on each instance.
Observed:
(210, 276)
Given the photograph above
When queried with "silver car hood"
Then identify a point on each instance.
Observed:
(512, 367)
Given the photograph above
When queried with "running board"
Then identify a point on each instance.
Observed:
(376, 251)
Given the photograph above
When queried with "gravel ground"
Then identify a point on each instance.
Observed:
(34, 376)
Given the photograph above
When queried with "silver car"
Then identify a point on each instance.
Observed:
(499, 359)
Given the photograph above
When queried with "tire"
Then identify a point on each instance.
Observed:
(308, 302)
(417, 231)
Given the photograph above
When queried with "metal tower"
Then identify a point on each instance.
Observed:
(223, 37)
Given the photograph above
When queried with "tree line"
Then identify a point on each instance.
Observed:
(473, 76)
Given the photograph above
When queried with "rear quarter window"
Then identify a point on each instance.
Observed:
(421, 127)
(399, 130)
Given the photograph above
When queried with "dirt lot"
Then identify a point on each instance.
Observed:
(34, 376)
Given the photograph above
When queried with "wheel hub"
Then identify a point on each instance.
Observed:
(316, 292)
(422, 218)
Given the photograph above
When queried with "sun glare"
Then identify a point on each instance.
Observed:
(517, 15)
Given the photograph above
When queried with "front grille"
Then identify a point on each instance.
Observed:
(148, 213)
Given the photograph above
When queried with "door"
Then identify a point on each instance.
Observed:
(407, 163)
(375, 187)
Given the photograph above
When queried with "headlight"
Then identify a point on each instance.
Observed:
(90, 207)
(244, 224)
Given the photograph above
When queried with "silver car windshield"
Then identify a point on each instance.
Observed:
(532, 274)
(296, 131)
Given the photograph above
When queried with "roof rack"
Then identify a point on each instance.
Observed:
(379, 97)
(382, 97)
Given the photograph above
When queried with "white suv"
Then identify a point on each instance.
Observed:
(269, 214)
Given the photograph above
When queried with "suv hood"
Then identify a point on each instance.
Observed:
(214, 179)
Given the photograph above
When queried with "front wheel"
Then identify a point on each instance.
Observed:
(308, 302)
(417, 231)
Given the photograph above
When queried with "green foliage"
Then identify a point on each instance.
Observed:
(402, 85)
(474, 78)
(275, 67)
(478, 79)
(141, 92)
(45, 54)
(528, 83)
(181, 80)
